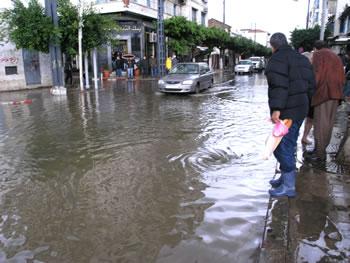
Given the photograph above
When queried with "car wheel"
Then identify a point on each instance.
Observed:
(198, 89)
(211, 83)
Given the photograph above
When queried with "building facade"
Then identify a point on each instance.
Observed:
(23, 69)
(137, 18)
(341, 29)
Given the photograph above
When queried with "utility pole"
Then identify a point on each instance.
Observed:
(323, 18)
(55, 52)
(223, 13)
(307, 16)
(161, 39)
(255, 33)
(80, 48)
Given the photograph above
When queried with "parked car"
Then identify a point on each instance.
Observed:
(187, 78)
(244, 66)
(259, 63)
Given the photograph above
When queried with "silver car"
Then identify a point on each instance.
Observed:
(187, 78)
(244, 66)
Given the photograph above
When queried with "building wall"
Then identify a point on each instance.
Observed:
(12, 57)
(339, 10)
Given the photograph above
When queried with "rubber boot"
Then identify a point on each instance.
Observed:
(276, 182)
(287, 188)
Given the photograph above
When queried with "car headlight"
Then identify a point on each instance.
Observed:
(187, 82)
(161, 82)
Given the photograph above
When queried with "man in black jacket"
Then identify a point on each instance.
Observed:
(291, 84)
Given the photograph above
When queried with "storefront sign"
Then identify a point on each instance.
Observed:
(12, 60)
(131, 28)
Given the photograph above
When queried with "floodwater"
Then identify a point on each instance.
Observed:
(126, 174)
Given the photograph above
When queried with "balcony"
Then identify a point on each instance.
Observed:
(140, 7)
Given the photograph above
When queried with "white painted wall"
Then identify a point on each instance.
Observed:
(10, 56)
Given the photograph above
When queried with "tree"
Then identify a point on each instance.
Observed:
(97, 30)
(183, 35)
(215, 37)
(306, 38)
(28, 27)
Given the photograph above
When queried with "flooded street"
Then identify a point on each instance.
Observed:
(127, 174)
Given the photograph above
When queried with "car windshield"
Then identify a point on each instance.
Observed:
(255, 59)
(244, 62)
(185, 69)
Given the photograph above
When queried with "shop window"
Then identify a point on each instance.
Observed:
(11, 70)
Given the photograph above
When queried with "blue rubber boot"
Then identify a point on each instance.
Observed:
(276, 182)
(287, 188)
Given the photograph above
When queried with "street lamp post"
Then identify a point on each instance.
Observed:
(223, 12)
(307, 16)
(161, 39)
(80, 48)
(55, 52)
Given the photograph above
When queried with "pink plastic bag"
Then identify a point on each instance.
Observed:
(280, 129)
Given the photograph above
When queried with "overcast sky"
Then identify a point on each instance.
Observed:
(269, 15)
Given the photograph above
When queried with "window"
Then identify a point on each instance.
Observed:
(203, 19)
(11, 70)
(194, 14)
(342, 26)
(174, 11)
(149, 3)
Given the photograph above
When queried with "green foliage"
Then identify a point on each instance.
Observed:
(215, 37)
(306, 37)
(98, 29)
(185, 35)
(69, 26)
(28, 27)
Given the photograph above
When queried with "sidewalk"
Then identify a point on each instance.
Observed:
(314, 226)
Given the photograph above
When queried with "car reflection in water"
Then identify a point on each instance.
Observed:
(187, 78)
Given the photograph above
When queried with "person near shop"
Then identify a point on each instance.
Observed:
(143, 65)
(168, 64)
(174, 60)
(68, 71)
(119, 66)
(330, 80)
(130, 63)
(153, 65)
(291, 85)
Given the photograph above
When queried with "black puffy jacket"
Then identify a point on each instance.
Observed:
(291, 81)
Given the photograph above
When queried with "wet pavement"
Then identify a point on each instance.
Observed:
(314, 226)
(127, 174)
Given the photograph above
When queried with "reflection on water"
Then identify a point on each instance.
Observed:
(126, 174)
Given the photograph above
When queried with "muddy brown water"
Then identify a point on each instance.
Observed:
(126, 174)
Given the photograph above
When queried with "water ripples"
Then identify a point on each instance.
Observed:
(124, 174)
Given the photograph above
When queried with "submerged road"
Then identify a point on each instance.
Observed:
(127, 174)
